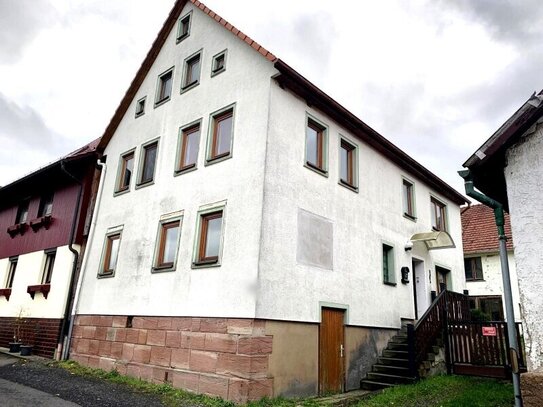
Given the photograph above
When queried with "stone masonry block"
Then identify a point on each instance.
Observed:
(255, 345)
(182, 323)
(118, 322)
(173, 339)
(145, 323)
(120, 335)
(203, 361)
(128, 352)
(132, 335)
(221, 343)
(88, 332)
(116, 350)
(213, 386)
(105, 321)
(242, 366)
(104, 349)
(239, 326)
(142, 354)
(110, 334)
(142, 336)
(193, 340)
(238, 390)
(100, 333)
(160, 356)
(260, 388)
(164, 323)
(186, 381)
(216, 325)
(156, 338)
(180, 358)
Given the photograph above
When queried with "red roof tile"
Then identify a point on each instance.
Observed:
(479, 231)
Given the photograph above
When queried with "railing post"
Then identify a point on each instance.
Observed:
(411, 350)
(445, 322)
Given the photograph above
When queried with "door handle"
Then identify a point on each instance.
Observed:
(341, 349)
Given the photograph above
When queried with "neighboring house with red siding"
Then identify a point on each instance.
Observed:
(482, 261)
(42, 232)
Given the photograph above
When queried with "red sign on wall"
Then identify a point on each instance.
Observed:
(489, 331)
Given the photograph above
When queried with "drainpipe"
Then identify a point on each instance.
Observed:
(63, 330)
(75, 303)
(509, 311)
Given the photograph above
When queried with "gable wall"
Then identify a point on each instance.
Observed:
(361, 223)
(134, 290)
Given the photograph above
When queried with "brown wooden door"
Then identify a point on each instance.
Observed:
(331, 351)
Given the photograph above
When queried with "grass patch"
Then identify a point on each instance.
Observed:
(169, 395)
(446, 391)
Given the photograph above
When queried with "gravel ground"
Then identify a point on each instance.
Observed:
(81, 390)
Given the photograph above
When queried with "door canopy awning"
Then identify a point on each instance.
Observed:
(434, 240)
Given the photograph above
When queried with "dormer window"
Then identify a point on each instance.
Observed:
(183, 28)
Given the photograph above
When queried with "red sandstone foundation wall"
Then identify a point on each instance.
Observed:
(215, 356)
(42, 333)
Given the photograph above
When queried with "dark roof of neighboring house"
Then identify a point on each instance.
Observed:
(41, 175)
(487, 163)
(288, 77)
(479, 231)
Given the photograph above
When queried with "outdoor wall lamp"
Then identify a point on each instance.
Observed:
(405, 275)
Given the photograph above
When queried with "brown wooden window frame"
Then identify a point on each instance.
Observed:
(48, 266)
(184, 134)
(438, 206)
(201, 246)
(142, 163)
(322, 145)
(46, 205)
(22, 212)
(408, 197)
(187, 72)
(161, 97)
(106, 258)
(123, 160)
(476, 274)
(213, 141)
(352, 167)
(165, 225)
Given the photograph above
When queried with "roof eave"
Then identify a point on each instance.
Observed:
(314, 96)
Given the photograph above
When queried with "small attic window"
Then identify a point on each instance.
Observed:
(140, 107)
(183, 28)
(219, 63)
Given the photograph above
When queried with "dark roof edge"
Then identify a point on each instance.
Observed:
(314, 96)
(514, 127)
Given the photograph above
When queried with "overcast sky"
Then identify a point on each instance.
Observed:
(435, 77)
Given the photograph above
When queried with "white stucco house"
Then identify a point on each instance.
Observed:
(508, 167)
(250, 232)
(482, 262)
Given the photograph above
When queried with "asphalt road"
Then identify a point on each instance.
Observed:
(25, 383)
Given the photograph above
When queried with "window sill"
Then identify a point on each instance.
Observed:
(316, 169)
(390, 283)
(106, 275)
(40, 288)
(204, 264)
(139, 115)
(217, 71)
(348, 186)
(161, 102)
(5, 292)
(17, 229)
(181, 38)
(218, 159)
(410, 217)
(185, 169)
(190, 86)
(145, 184)
(163, 269)
(44, 221)
(121, 191)
(475, 280)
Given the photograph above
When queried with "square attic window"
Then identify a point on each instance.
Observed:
(219, 63)
(140, 107)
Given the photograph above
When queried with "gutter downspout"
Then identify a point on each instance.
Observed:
(75, 302)
(63, 330)
(509, 311)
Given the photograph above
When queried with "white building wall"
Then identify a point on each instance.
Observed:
(492, 283)
(361, 223)
(29, 272)
(227, 290)
(524, 179)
